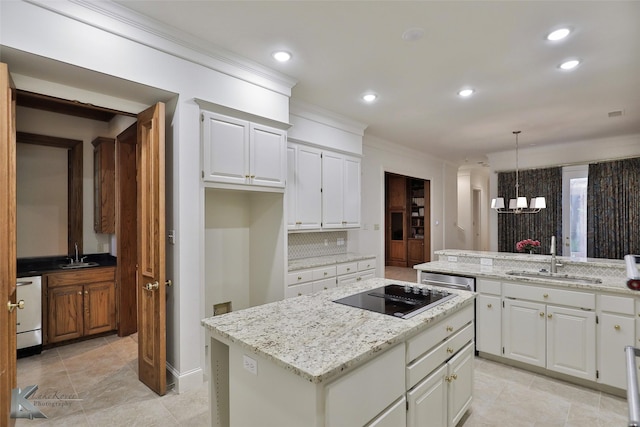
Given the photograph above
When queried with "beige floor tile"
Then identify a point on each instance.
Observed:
(147, 413)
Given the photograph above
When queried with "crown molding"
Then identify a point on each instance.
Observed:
(118, 20)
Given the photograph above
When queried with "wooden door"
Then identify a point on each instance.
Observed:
(151, 249)
(99, 302)
(7, 244)
(64, 311)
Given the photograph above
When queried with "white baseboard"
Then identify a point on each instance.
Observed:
(185, 381)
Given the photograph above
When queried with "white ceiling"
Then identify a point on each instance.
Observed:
(343, 48)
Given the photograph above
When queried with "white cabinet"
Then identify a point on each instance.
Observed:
(616, 329)
(561, 339)
(340, 191)
(489, 317)
(354, 272)
(303, 282)
(304, 187)
(243, 153)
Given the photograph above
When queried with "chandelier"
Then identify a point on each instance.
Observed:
(518, 205)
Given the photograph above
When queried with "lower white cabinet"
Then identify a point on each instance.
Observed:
(616, 329)
(488, 324)
(304, 282)
(450, 386)
(523, 331)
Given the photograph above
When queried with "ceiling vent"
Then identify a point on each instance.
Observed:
(617, 113)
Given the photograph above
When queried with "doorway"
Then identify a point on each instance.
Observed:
(407, 220)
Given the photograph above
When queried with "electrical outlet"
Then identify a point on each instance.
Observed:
(250, 364)
(376, 227)
(452, 258)
(172, 237)
(486, 261)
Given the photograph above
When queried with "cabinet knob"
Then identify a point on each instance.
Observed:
(541, 314)
(325, 288)
(325, 273)
(616, 327)
(299, 294)
(298, 222)
(454, 376)
(489, 306)
(348, 269)
(299, 278)
(86, 292)
(79, 292)
(549, 316)
(449, 328)
(448, 379)
(358, 279)
(449, 350)
(546, 295)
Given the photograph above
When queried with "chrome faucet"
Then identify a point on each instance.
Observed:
(77, 259)
(554, 264)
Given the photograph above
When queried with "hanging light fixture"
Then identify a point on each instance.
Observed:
(518, 205)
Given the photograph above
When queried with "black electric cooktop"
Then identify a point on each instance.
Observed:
(397, 300)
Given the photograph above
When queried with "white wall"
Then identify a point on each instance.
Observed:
(581, 152)
(381, 156)
(82, 37)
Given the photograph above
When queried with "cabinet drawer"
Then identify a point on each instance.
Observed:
(90, 275)
(347, 268)
(367, 264)
(297, 277)
(438, 332)
(422, 367)
(324, 284)
(492, 287)
(357, 397)
(323, 273)
(393, 416)
(551, 295)
(298, 290)
(615, 304)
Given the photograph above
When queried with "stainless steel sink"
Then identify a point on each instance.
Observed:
(74, 265)
(555, 276)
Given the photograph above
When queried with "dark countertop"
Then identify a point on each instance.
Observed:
(36, 266)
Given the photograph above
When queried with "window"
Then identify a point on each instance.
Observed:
(574, 211)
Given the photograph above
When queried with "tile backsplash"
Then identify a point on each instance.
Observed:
(305, 245)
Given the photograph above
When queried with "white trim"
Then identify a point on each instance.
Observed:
(189, 380)
(115, 19)
(325, 117)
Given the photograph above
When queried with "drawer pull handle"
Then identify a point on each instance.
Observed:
(299, 278)
(616, 327)
(358, 279)
(541, 314)
(299, 294)
(325, 273)
(449, 328)
(489, 306)
(546, 295)
(449, 350)
(325, 288)
(298, 222)
(454, 376)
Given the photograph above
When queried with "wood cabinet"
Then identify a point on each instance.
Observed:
(104, 184)
(239, 152)
(340, 191)
(79, 303)
(304, 187)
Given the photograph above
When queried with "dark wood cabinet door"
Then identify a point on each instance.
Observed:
(415, 252)
(104, 182)
(396, 192)
(99, 307)
(65, 317)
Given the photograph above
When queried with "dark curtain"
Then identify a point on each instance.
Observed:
(613, 209)
(540, 226)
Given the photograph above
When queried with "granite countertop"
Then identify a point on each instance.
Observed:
(316, 338)
(35, 266)
(322, 261)
(609, 284)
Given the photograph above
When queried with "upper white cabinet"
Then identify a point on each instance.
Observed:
(323, 189)
(304, 186)
(340, 191)
(239, 152)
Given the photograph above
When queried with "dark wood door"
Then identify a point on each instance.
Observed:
(151, 250)
(7, 244)
(99, 303)
(64, 308)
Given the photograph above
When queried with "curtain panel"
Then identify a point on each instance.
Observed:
(613, 209)
(540, 226)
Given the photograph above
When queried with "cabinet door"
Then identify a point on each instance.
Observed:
(267, 156)
(104, 181)
(332, 190)
(308, 188)
(489, 324)
(615, 331)
(65, 317)
(99, 307)
(291, 192)
(415, 252)
(460, 379)
(523, 332)
(571, 342)
(225, 149)
(351, 195)
(428, 401)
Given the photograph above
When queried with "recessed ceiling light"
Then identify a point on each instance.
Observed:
(569, 65)
(369, 97)
(558, 34)
(466, 92)
(413, 34)
(281, 56)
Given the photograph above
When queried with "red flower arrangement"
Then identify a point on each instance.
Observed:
(527, 245)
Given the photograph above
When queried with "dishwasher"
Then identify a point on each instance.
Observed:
(451, 281)
(29, 319)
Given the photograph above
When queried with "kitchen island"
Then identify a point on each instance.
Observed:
(309, 361)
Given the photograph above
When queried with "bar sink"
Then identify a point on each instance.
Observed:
(74, 265)
(555, 276)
